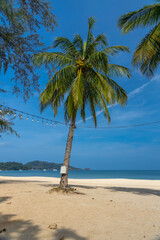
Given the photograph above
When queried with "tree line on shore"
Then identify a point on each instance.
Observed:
(33, 165)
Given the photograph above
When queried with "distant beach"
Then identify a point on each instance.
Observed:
(108, 209)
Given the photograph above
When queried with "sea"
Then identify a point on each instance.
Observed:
(90, 174)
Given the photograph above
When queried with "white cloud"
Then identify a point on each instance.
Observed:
(129, 115)
(138, 90)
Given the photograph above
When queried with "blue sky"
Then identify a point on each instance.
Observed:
(131, 148)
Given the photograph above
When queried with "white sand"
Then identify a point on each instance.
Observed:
(108, 209)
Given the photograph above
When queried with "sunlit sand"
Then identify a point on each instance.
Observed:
(109, 209)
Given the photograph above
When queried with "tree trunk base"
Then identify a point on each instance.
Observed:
(64, 181)
(63, 190)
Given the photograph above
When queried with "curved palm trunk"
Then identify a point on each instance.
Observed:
(64, 177)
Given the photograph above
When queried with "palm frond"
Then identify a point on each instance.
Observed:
(46, 96)
(90, 36)
(92, 108)
(57, 58)
(146, 56)
(78, 43)
(103, 106)
(146, 16)
(100, 40)
(147, 49)
(99, 82)
(77, 89)
(70, 110)
(111, 51)
(121, 95)
(149, 45)
(99, 61)
(118, 71)
(102, 91)
(82, 111)
(67, 46)
(64, 76)
(57, 87)
(151, 65)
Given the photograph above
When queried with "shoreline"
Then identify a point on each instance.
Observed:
(89, 182)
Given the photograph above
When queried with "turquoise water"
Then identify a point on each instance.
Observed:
(101, 174)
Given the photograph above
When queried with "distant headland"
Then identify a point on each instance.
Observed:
(33, 165)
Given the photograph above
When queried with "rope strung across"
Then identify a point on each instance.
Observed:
(68, 124)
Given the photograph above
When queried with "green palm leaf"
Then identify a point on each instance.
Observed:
(146, 16)
(146, 55)
(67, 46)
(78, 43)
(118, 71)
(57, 58)
(111, 51)
(147, 51)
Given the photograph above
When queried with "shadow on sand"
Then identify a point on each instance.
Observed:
(22, 229)
(25, 230)
(139, 191)
(17, 181)
(3, 199)
(157, 238)
(67, 234)
(71, 185)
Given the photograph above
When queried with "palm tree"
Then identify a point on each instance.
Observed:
(147, 54)
(83, 79)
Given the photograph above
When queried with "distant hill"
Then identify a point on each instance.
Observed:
(36, 165)
(40, 165)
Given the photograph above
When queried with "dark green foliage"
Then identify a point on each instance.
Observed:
(19, 22)
(40, 165)
(12, 166)
(6, 118)
(84, 75)
(36, 165)
(147, 54)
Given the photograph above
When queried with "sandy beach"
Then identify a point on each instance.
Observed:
(105, 209)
